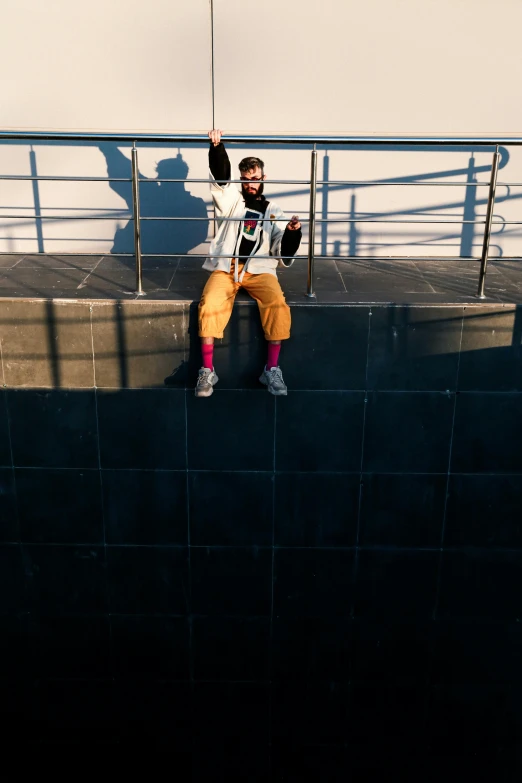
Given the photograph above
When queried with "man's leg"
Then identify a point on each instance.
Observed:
(274, 346)
(214, 311)
(275, 320)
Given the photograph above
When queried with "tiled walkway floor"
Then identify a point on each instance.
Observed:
(337, 280)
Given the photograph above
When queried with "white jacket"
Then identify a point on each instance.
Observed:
(267, 235)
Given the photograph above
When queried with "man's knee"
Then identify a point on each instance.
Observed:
(273, 298)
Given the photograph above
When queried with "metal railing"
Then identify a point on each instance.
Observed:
(312, 183)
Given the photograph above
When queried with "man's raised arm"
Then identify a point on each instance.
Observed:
(217, 158)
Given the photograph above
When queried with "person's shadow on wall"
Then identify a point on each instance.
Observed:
(157, 199)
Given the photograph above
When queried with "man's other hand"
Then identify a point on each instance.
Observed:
(294, 224)
(215, 136)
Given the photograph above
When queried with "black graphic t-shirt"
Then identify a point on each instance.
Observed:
(250, 229)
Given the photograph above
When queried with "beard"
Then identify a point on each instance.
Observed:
(252, 196)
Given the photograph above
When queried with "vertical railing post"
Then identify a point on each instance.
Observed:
(489, 221)
(311, 224)
(136, 216)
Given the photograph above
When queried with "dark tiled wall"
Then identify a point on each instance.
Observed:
(249, 582)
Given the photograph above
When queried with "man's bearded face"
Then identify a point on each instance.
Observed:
(252, 183)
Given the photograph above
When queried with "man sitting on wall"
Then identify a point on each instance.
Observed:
(240, 257)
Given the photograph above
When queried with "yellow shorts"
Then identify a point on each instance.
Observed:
(217, 301)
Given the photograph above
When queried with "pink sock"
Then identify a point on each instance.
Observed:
(273, 355)
(207, 351)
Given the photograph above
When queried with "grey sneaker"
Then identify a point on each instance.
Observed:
(207, 379)
(273, 379)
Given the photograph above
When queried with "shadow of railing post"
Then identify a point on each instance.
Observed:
(324, 213)
(36, 197)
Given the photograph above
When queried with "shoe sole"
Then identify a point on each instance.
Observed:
(271, 391)
(209, 393)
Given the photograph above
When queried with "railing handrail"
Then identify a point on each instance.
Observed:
(313, 141)
(246, 138)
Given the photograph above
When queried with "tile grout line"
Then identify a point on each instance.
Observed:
(267, 547)
(243, 390)
(271, 630)
(4, 384)
(187, 490)
(18, 262)
(168, 288)
(340, 275)
(100, 473)
(84, 281)
(13, 475)
(363, 434)
(450, 454)
(10, 442)
(423, 278)
(507, 474)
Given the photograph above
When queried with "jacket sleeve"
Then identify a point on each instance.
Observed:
(284, 242)
(223, 192)
(219, 163)
(290, 242)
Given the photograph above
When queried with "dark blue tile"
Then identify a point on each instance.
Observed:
(311, 713)
(484, 511)
(485, 712)
(402, 510)
(79, 711)
(231, 648)
(316, 509)
(393, 651)
(145, 507)
(142, 428)
(491, 357)
(5, 445)
(383, 716)
(12, 591)
(17, 729)
(313, 582)
(326, 352)
(215, 520)
(8, 515)
(232, 764)
(483, 437)
(396, 583)
(53, 428)
(230, 715)
(65, 579)
(312, 648)
(472, 652)
(148, 580)
(482, 584)
(231, 581)
(60, 506)
(319, 431)
(232, 430)
(408, 432)
(152, 647)
(154, 716)
(414, 348)
(335, 764)
(69, 646)
(13, 645)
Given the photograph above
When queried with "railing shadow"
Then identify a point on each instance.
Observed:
(161, 200)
